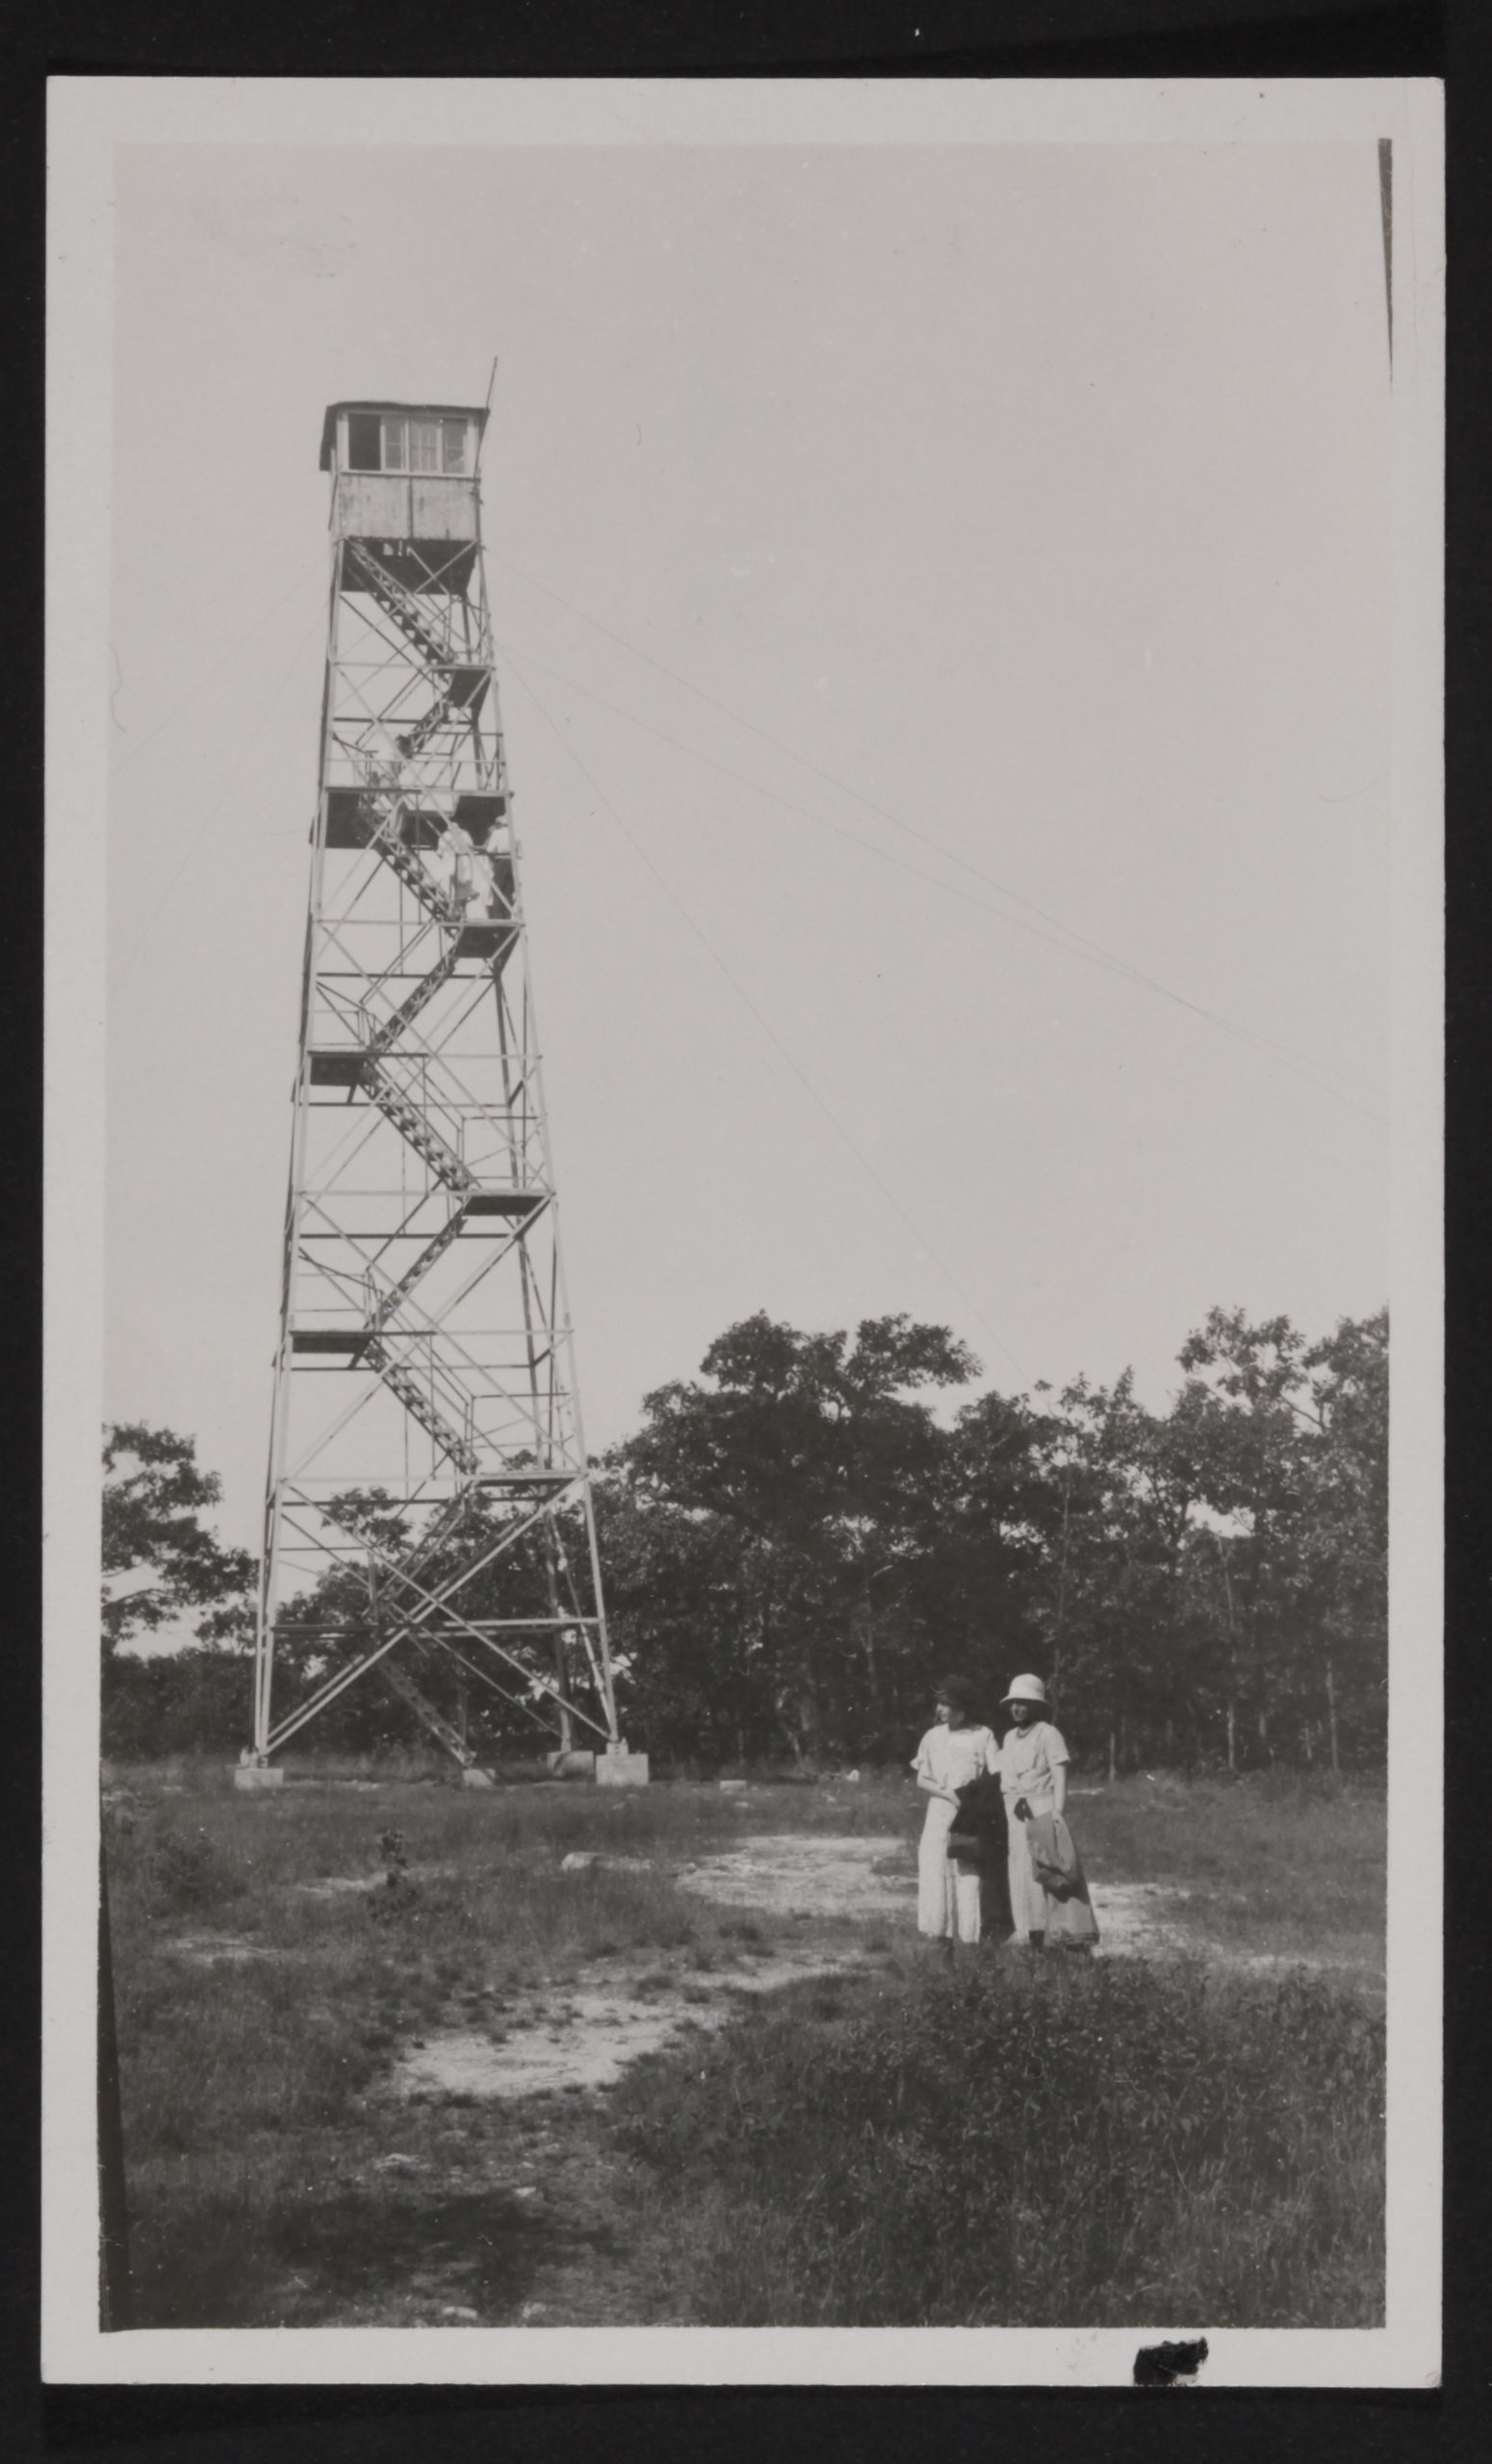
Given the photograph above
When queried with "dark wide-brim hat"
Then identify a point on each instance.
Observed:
(957, 1691)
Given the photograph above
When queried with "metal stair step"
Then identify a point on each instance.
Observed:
(411, 1393)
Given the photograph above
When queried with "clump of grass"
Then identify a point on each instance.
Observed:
(185, 1872)
(1053, 2143)
(1271, 1861)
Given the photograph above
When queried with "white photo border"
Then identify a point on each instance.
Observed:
(89, 117)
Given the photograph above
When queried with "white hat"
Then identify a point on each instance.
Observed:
(1025, 1689)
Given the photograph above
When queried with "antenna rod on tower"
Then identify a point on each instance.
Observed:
(481, 433)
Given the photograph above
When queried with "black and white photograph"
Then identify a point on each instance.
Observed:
(743, 1113)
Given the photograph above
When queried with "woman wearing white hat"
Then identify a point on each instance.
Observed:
(1048, 1895)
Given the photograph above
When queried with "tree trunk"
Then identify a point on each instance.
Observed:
(1228, 1590)
(871, 1679)
(562, 1674)
(1113, 1762)
(1332, 1717)
(1062, 1584)
(563, 1681)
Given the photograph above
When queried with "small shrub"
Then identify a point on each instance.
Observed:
(398, 1901)
(185, 1873)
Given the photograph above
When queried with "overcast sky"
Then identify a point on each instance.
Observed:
(934, 587)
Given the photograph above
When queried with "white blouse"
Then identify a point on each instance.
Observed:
(951, 1758)
(1028, 1758)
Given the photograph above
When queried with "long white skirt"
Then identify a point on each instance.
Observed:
(1033, 1910)
(947, 1894)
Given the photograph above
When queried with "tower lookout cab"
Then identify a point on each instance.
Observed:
(407, 475)
(428, 1517)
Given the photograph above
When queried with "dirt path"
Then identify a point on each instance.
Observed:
(851, 1874)
(584, 2035)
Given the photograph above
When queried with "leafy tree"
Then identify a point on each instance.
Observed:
(795, 1546)
(983, 1586)
(195, 1700)
(155, 1495)
(1116, 1646)
(692, 1601)
(1345, 1542)
(1290, 1444)
(819, 1469)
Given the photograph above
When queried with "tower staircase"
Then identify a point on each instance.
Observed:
(388, 1034)
(461, 684)
(390, 1300)
(400, 605)
(421, 1406)
(403, 861)
(400, 1681)
(411, 1123)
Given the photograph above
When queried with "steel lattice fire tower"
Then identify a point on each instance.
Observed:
(426, 1441)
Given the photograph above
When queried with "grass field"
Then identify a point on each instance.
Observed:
(824, 2121)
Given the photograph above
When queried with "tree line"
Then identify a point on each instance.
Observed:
(799, 1541)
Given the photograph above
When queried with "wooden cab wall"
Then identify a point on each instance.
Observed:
(369, 504)
(402, 470)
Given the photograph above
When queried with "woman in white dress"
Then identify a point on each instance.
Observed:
(953, 1752)
(1034, 1783)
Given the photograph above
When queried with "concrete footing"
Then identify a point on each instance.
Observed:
(471, 1777)
(617, 1769)
(576, 1762)
(258, 1775)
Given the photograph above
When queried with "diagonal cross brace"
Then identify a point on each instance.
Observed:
(431, 1601)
